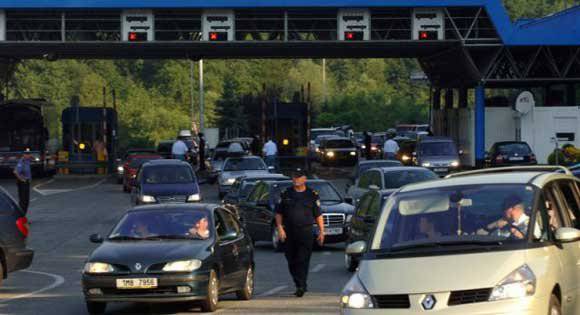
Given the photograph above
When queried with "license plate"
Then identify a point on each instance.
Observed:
(333, 231)
(440, 170)
(138, 283)
(516, 158)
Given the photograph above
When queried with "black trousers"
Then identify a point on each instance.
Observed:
(23, 195)
(298, 249)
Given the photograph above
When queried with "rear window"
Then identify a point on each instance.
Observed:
(514, 148)
(136, 163)
(244, 165)
(367, 166)
(167, 174)
(442, 148)
(338, 144)
(398, 179)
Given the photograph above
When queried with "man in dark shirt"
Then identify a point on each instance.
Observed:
(298, 211)
(23, 177)
(201, 151)
(368, 143)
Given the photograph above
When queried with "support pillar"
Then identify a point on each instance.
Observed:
(479, 126)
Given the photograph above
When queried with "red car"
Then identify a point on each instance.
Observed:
(131, 167)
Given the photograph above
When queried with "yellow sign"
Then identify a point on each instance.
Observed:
(285, 142)
(82, 146)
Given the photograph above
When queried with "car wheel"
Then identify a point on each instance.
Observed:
(209, 304)
(247, 291)
(1, 273)
(350, 263)
(96, 307)
(555, 307)
(276, 245)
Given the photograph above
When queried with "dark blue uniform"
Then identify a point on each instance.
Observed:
(299, 211)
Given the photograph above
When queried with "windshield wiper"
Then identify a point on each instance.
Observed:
(124, 238)
(170, 237)
(446, 243)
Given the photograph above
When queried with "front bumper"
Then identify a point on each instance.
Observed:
(527, 306)
(165, 292)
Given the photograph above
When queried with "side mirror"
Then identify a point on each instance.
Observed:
(356, 248)
(348, 200)
(96, 238)
(414, 153)
(461, 152)
(230, 236)
(271, 169)
(566, 234)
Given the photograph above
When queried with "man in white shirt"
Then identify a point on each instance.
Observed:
(390, 148)
(179, 150)
(270, 151)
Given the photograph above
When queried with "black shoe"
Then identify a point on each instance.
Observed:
(299, 292)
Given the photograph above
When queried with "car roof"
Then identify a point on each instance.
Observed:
(165, 162)
(536, 178)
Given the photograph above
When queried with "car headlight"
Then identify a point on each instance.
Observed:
(348, 218)
(330, 154)
(454, 163)
(354, 295)
(363, 147)
(120, 169)
(317, 150)
(374, 149)
(518, 284)
(98, 267)
(353, 153)
(426, 164)
(182, 265)
(146, 198)
(194, 197)
(229, 181)
(405, 158)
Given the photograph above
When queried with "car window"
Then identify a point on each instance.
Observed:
(220, 225)
(375, 179)
(570, 201)
(375, 206)
(253, 197)
(514, 148)
(364, 203)
(231, 224)
(338, 144)
(398, 179)
(443, 148)
(167, 174)
(552, 208)
(364, 180)
(244, 164)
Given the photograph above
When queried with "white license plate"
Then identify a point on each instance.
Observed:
(333, 231)
(440, 170)
(138, 283)
(517, 158)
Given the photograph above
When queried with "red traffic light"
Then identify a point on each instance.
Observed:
(137, 36)
(427, 35)
(353, 35)
(218, 36)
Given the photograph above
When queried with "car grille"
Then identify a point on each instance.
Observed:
(469, 296)
(171, 199)
(333, 219)
(400, 301)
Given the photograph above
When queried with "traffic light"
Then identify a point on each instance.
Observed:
(218, 36)
(428, 35)
(137, 36)
(353, 36)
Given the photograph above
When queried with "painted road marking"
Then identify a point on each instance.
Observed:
(273, 291)
(48, 192)
(318, 268)
(57, 281)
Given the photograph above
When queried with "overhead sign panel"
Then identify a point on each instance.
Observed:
(218, 25)
(428, 24)
(354, 24)
(137, 25)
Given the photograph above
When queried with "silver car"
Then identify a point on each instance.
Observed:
(439, 154)
(237, 167)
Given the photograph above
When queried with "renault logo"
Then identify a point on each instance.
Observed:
(429, 302)
(138, 266)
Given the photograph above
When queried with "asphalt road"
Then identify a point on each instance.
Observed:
(65, 211)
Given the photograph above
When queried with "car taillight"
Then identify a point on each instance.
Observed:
(533, 157)
(22, 225)
(499, 158)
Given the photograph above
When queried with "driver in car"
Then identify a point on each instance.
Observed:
(200, 229)
(514, 223)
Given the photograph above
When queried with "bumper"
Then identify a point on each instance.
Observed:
(165, 292)
(18, 259)
(528, 306)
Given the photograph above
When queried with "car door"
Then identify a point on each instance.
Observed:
(225, 251)
(374, 210)
(241, 249)
(264, 213)
(248, 211)
(357, 221)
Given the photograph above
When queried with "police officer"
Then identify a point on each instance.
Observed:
(23, 177)
(299, 210)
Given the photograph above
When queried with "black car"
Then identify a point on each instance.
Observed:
(509, 153)
(242, 187)
(14, 255)
(258, 211)
(338, 151)
(170, 253)
(363, 221)
(165, 181)
(363, 166)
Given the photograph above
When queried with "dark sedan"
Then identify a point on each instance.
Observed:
(242, 187)
(510, 153)
(258, 211)
(170, 253)
(338, 151)
(166, 181)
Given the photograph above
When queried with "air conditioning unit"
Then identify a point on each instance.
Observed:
(428, 24)
(218, 25)
(137, 26)
(354, 24)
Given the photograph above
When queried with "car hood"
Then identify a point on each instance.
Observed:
(236, 174)
(443, 273)
(147, 253)
(331, 207)
(170, 189)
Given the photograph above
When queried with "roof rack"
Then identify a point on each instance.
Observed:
(495, 170)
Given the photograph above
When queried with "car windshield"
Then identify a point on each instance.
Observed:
(325, 191)
(137, 162)
(378, 139)
(338, 144)
(163, 224)
(514, 148)
(316, 133)
(244, 164)
(398, 179)
(443, 148)
(367, 166)
(467, 215)
(167, 174)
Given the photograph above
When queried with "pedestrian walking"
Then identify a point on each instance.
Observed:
(368, 143)
(179, 150)
(390, 148)
(201, 151)
(299, 210)
(23, 175)
(270, 151)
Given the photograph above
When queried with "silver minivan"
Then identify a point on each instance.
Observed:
(485, 242)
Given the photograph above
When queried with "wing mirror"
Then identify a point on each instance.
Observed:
(229, 236)
(348, 200)
(414, 153)
(356, 248)
(461, 152)
(565, 235)
(96, 238)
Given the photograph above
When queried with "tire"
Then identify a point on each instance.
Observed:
(209, 304)
(555, 307)
(96, 307)
(350, 263)
(247, 292)
(274, 239)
